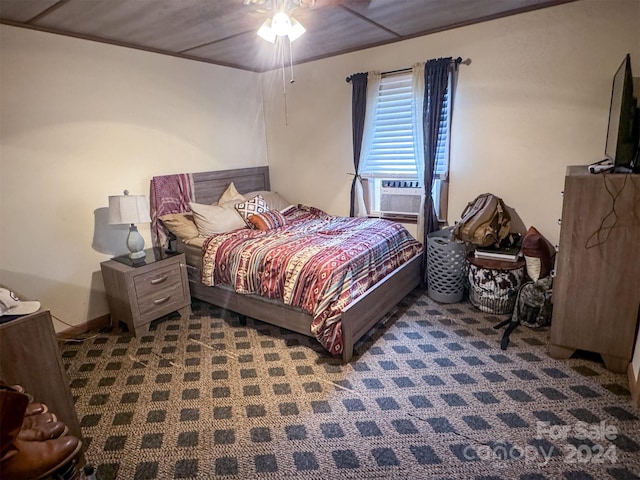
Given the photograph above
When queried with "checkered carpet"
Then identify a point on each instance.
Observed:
(428, 395)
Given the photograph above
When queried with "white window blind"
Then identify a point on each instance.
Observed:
(392, 149)
(392, 154)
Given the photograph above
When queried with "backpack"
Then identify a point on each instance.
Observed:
(533, 309)
(484, 222)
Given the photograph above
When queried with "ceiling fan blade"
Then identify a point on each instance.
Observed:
(253, 2)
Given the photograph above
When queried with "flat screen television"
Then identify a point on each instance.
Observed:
(624, 123)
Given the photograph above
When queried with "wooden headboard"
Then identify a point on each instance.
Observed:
(209, 186)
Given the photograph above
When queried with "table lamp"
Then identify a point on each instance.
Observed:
(130, 209)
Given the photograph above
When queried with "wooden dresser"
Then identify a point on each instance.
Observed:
(29, 356)
(596, 292)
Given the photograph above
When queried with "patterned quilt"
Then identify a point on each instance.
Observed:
(317, 262)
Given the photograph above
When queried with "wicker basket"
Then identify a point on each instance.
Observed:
(493, 287)
(445, 267)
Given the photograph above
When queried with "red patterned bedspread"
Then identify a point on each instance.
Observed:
(317, 262)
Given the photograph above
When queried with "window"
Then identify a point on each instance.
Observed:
(390, 172)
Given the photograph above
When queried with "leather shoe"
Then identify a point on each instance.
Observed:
(35, 408)
(29, 460)
(33, 421)
(16, 388)
(45, 431)
(12, 406)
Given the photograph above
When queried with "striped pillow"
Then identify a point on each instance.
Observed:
(267, 220)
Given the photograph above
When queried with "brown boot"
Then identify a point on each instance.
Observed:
(35, 408)
(17, 388)
(29, 460)
(45, 431)
(34, 421)
(12, 407)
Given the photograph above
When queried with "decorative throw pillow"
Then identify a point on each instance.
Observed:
(212, 219)
(231, 195)
(537, 254)
(267, 220)
(252, 207)
(182, 225)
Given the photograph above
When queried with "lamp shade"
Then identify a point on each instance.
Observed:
(128, 209)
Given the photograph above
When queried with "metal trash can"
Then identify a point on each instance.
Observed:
(445, 267)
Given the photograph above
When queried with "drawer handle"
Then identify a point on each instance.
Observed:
(158, 280)
(162, 300)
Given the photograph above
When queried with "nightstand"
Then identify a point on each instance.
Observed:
(139, 293)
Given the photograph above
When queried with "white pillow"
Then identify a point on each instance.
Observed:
(213, 219)
(231, 195)
(274, 200)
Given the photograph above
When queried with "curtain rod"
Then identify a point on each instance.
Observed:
(457, 61)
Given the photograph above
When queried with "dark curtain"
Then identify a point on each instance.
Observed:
(358, 109)
(436, 73)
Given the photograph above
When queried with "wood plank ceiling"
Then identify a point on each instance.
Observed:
(224, 31)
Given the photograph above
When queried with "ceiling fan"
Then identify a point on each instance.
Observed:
(282, 24)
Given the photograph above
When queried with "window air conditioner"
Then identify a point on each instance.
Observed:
(400, 197)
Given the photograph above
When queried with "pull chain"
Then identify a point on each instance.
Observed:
(284, 85)
(291, 61)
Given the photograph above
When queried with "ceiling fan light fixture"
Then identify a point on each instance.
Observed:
(296, 30)
(281, 24)
(266, 31)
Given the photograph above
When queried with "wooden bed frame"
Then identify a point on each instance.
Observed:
(357, 318)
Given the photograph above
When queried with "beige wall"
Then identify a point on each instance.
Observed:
(534, 100)
(81, 121)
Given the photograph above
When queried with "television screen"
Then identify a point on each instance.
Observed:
(622, 139)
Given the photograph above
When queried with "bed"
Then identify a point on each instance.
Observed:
(356, 318)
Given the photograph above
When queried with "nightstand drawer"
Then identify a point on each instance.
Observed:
(151, 283)
(159, 291)
(161, 300)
